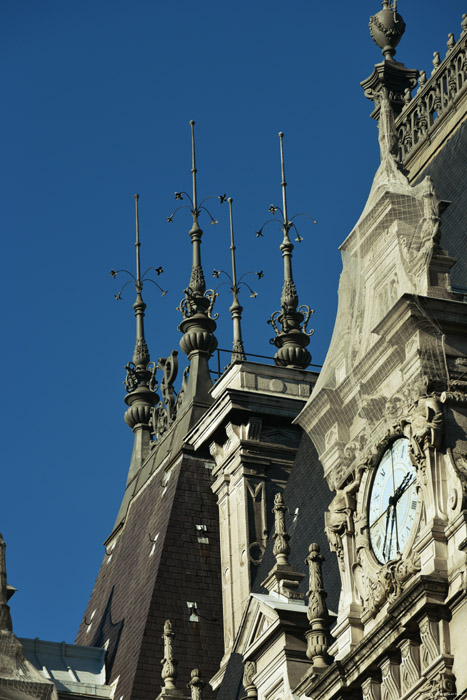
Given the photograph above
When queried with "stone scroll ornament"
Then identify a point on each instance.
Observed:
(248, 683)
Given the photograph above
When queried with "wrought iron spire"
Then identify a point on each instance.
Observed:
(140, 381)
(292, 336)
(238, 350)
(5, 617)
(198, 341)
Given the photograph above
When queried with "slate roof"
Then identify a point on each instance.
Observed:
(158, 565)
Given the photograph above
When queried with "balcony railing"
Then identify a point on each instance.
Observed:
(435, 99)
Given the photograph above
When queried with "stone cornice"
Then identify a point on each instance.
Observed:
(425, 593)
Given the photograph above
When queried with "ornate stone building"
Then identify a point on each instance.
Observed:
(288, 534)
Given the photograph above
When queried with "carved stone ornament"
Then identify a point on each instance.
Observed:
(196, 685)
(281, 548)
(169, 665)
(388, 584)
(338, 520)
(248, 675)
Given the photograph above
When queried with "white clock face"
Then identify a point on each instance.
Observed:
(393, 502)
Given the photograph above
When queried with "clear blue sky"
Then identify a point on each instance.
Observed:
(97, 100)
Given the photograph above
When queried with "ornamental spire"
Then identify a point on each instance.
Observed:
(5, 617)
(198, 341)
(238, 350)
(290, 323)
(140, 381)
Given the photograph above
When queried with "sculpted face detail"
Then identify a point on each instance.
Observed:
(393, 502)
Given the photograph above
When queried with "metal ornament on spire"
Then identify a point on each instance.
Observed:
(238, 350)
(196, 307)
(140, 382)
(290, 323)
(5, 617)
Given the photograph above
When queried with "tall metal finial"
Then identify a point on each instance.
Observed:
(141, 371)
(318, 616)
(5, 617)
(169, 664)
(238, 350)
(292, 337)
(140, 381)
(198, 323)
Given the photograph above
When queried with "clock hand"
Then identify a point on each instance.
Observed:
(388, 513)
(392, 530)
(400, 489)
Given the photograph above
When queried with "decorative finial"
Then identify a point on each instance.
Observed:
(292, 337)
(283, 579)
(5, 617)
(238, 350)
(387, 28)
(390, 79)
(318, 616)
(140, 381)
(196, 685)
(169, 665)
(464, 24)
(248, 683)
(436, 61)
(451, 42)
(281, 548)
(198, 323)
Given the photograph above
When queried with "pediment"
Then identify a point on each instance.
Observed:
(257, 620)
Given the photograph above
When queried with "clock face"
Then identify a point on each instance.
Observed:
(393, 502)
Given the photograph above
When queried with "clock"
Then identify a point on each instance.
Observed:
(393, 502)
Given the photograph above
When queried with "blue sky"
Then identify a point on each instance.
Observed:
(98, 98)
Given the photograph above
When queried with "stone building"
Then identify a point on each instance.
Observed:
(288, 534)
